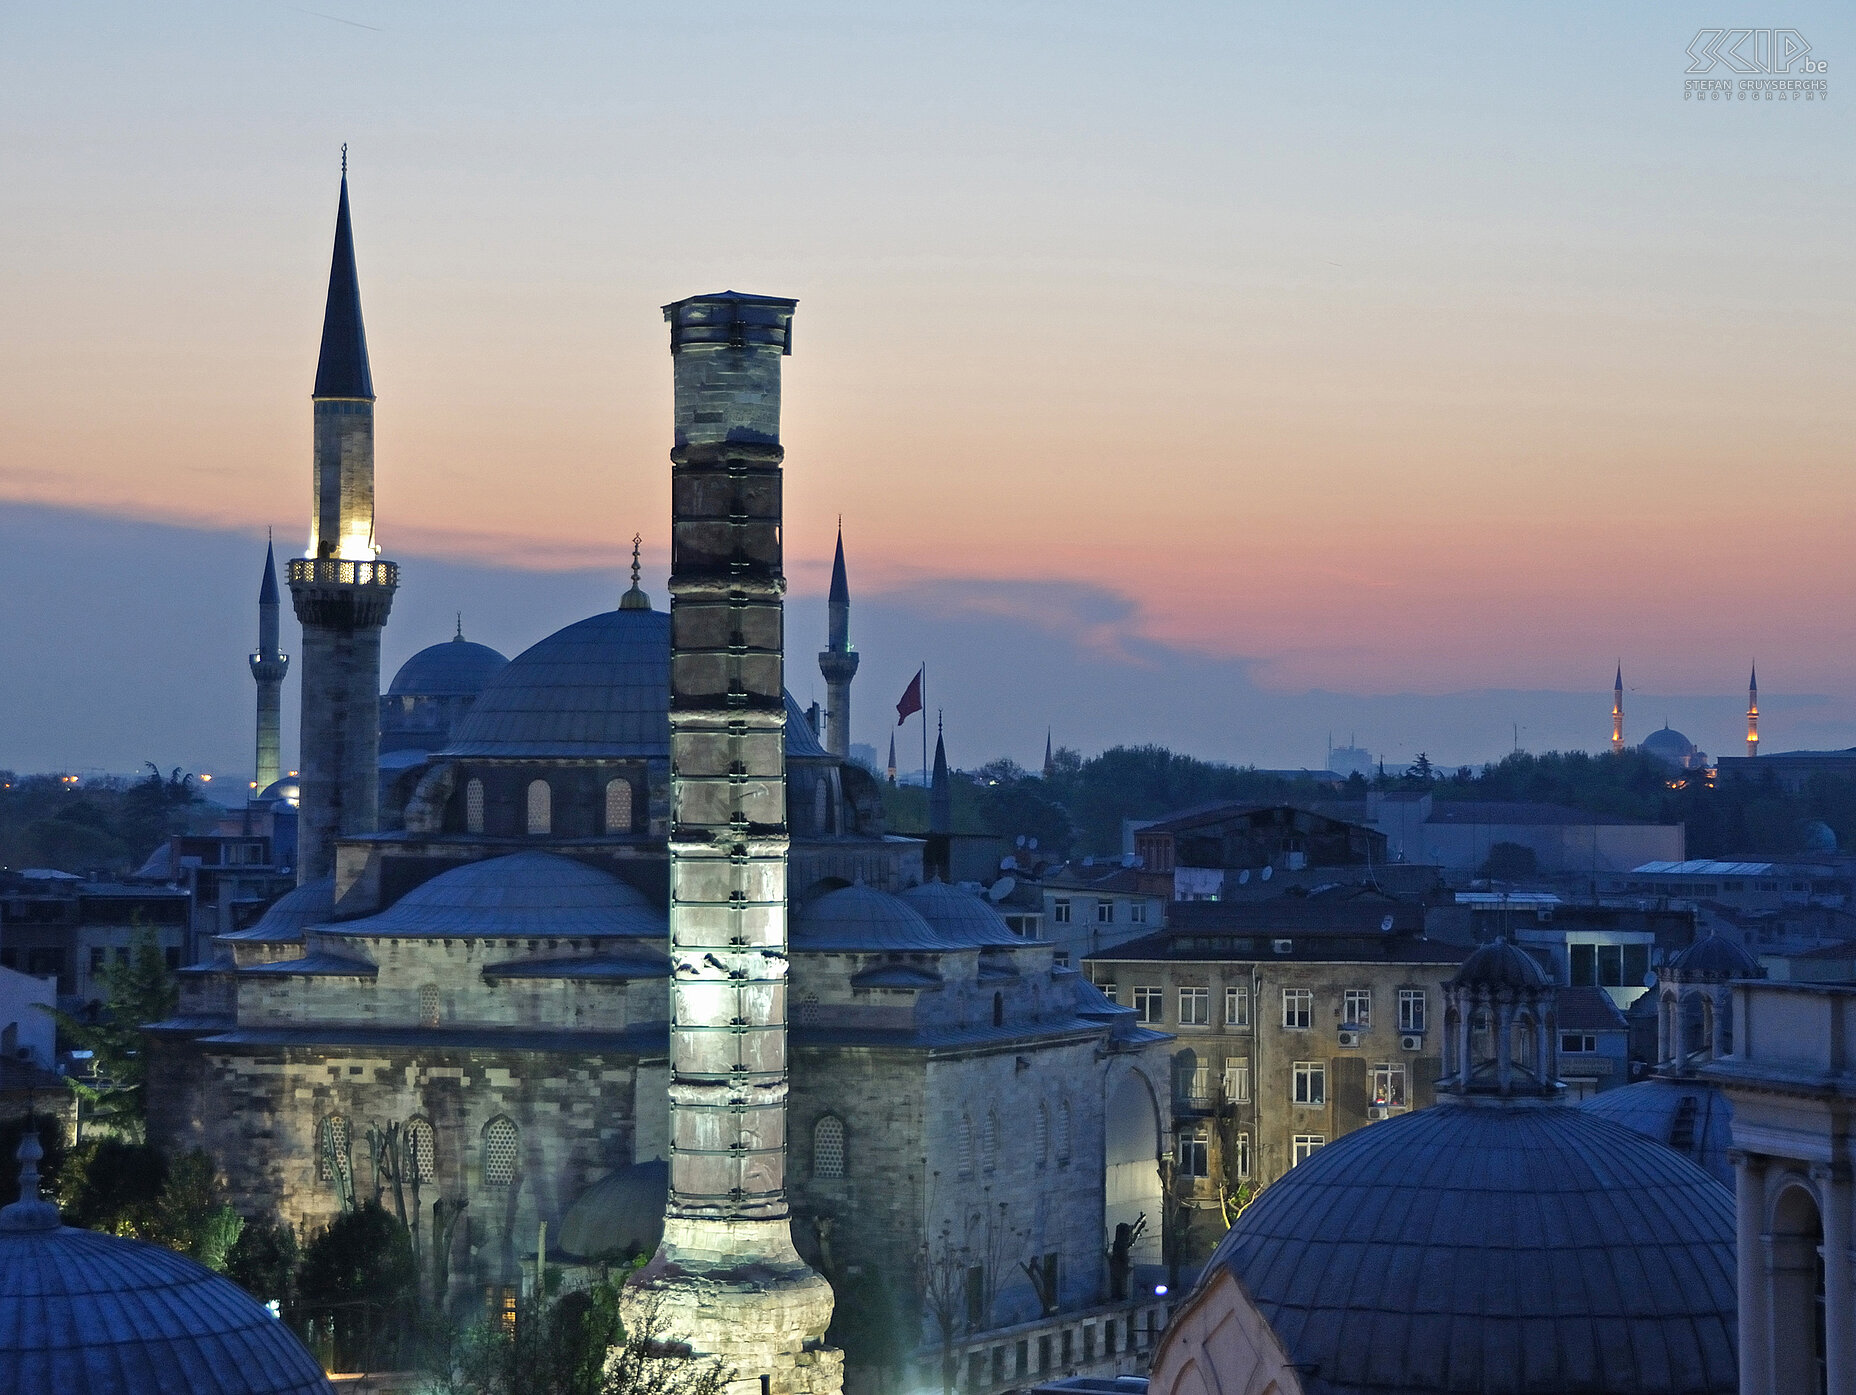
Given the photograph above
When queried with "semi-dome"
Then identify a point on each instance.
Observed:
(620, 1215)
(456, 668)
(960, 915)
(533, 895)
(92, 1313)
(312, 903)
(1474, 1248)
(861, 919)
(1691, 1116)
(1502, 965)
(1714, 956)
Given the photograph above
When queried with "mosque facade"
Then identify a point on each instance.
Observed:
(466, 1003)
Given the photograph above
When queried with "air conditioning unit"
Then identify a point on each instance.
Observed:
(1349, 1038)
(1411, 1042)
(1283, 946)
(1377, 1112)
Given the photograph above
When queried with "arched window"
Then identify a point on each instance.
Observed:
(1795, 1293)
(540, 808)
(421, 1150)
(989, 1142)
(473, 807)
(618, 806)
(821, 806)
(1063, 1134)
(828, 1147)
(998, 1009)
(966, 1146)
(1040, 1140)
(499, 1152)
(332, 1148)
(428, 1005)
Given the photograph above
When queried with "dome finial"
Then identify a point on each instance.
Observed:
(30, 1212)
(635, 599)
(460, 634)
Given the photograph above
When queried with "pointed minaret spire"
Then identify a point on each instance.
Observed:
(938, 856)
(1617, 712)
(1752, 712)
(342, 370)
(1050, 764)
(635, 599)
(268, 667)
(838, 663)
(892, 758)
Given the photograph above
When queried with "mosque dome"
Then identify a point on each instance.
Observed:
(312, 903)
(1670, 745)
(960, 915)
(1714, 956)
(620, 1215)
(1819, 837)
(1473, 1248)
(83, 1311)
(456, 668)
(286, 789)
(1691, 1116)
(860, 919)
(526, 895)
(1502, 965)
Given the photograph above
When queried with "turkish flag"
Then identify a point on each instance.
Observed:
(911, 700)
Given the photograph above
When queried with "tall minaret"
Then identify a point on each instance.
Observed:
(729, 1282)
(1617, 712)
(839, 661)
(938, 855)
(1752, 712)
(269, 664)
(341, 590)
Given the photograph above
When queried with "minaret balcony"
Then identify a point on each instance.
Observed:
(342, 594)
(341, 571)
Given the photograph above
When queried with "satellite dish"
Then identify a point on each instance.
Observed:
(1386, 924)
(1243, 877)
(1267, 873)
(1031, 843)
(1008, 863)
(1002, 888)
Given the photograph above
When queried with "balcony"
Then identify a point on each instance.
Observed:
(1187, 1103)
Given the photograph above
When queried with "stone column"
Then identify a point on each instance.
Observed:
(1664, 1049)
(726, 1280)
(1833, 1182)
(1504, 1043)
(1750, 1246)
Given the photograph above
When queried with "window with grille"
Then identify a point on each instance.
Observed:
(1311, 1082)
(1063, 1134)
(473, 807)
(540, 808)
(1040, 1142)
(499, 1153)
(618, 806)
(828, 1147)
(421, 1150)
(1357, 1007)
(1298, 1008)
(332, 1148)
(428, 1005)
(1306, 1146)
(1237, 1007)
(1237, 1081)
(821, 808)
(966, 1146)
(989, 1142)
(1195, 1007)
(1411, 1009)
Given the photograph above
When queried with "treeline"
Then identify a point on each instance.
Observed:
(101, 828)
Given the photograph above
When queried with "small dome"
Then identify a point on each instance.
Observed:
(1654, 1107)
(620, 1215)
(286, 789)
(1669, 744)
(1819, 837)
(858, 919)
(312, 903)
(1714, 956)
(1501, 965)
(1467, 1248)
(456, 668)
(91, 1313)
(532, 895)
(959, 915)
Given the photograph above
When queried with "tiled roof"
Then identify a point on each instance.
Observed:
(1588, 1010)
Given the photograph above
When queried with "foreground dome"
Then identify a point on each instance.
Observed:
(862, 920)
(1471, 1249)
(530, 895)
(88, 1314)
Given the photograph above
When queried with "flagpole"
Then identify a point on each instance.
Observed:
(924, 717)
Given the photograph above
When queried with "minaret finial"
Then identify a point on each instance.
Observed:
(635, 599)
(460, 633)
(344, 159)
(637, 542)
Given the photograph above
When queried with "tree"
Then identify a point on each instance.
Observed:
(137, 991)
(263, 1262)
(191, 1217)
(1420, 771)
(1510, 862)
(361, 1282)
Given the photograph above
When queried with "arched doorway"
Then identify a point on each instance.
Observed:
(1796, 1300)
(1131, 1156)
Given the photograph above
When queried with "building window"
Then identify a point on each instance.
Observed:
(332, 1160)
(1357, 1007)
(1411, 1009)
(1237, 1080)
(1194, 1148)
(97, 956)
(821, 809)
(1298, 1008)
(989, 1142)
(998, 1009)
(1240, 1154)
(1137, 912)
(540, 808)
(1149, 1003)
(965, 1158)
(1306, 1145)
(428, 1005)
(1060, 911)
(976, 1301)
(1063, 1134)
(505, 1300)
(473, 807)
(1040, 1139)
(1608, 966)
(1578, 1042)
(1061, 959)
(1311, 1082)
(1105, 912)
(618, 806)
(1389, 1087)
(421, 1150)
(828, 1147)
(1237, 1007)
(171, 957)
(1195, 1007)
(499, 1152)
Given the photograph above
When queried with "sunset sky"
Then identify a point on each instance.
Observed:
(1366, 354)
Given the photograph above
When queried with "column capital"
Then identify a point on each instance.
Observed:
(1829, 1172)
(1753, 1162)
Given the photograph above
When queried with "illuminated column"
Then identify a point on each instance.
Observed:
(729, 1283)
(838, 663)
(1617, 712)
(1752, 713)
(341, 590)
(269, 664)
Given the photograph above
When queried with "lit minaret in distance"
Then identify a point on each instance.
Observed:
(1752, 711)
(269, 664)
(838, 663)
(726, 1278)
(341, 589)
(1617, 713)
